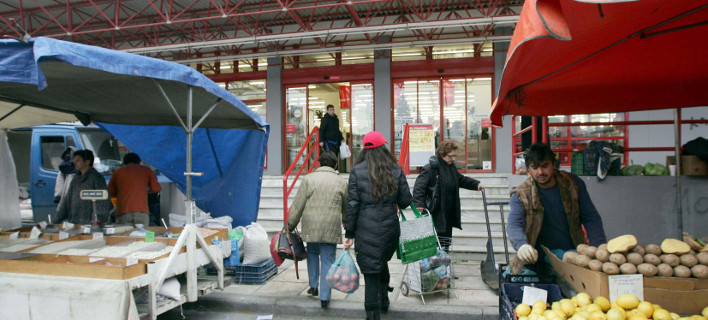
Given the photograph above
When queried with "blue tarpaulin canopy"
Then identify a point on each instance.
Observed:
(148, 104)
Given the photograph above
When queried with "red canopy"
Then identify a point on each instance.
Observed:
(572, 57)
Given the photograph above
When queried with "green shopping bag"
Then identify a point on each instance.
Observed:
(418, 239)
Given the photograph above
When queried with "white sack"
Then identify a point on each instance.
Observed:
(256, 245)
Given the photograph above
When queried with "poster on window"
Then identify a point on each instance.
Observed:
(421, 143)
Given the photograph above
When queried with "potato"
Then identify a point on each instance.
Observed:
(675, 246)
(692, 243)
(602, 255)
(581, 248)
(682, 271)
(635, 258)
(622, 243)
(638, 249)
(602, 246)
(569, 256)
(652, 258)
(688, 260)
(590, 251)
(618, 258)
(665, 270)
(700, 271)
(653, 249)
(595, 265)
(647, 269)
(670, 259)
(582, 261)
(703, 258)
(611, 268)
(628, 268)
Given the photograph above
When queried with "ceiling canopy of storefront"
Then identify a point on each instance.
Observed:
(200, 31)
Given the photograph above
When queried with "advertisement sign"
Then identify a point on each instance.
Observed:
(290, 128)
(345, 97)
(421, 143)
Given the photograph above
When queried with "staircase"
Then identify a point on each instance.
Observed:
(467, 244)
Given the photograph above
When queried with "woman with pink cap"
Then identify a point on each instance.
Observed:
(377, 187)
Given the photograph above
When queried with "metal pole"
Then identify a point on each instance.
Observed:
(191, 211)
(677, 150)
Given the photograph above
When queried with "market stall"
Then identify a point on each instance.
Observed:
(179, 119)
(579, 57)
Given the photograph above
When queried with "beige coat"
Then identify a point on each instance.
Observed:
(321, 203)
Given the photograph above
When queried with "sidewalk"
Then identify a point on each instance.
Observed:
(284, 294)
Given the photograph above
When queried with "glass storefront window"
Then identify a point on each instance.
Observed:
(252, 93)
(479, 142)
(295, 123)
(361, 113)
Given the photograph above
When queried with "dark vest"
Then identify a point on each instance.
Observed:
(531, 202)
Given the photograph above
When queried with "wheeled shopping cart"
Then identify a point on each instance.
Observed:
(430, 275)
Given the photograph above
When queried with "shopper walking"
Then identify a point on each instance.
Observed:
(320, 203)
(437, 188)
(377, 186)
(330, 135)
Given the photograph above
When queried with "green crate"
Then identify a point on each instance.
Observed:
(577, 163)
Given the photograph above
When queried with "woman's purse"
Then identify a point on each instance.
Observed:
(290, 246)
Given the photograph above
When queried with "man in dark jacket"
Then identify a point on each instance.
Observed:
(330, 136)
(437, 188)
(73, 208)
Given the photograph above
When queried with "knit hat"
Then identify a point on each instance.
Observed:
(373, 139)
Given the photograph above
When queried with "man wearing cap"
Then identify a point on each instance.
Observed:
(130, 185)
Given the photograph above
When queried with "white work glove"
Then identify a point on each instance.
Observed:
(527, 254)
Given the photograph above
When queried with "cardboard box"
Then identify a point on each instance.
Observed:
(680, 295)
(690, 165)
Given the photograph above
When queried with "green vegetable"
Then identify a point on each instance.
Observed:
(655, 169)
(633, 170)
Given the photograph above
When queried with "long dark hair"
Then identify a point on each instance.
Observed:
(381, 163)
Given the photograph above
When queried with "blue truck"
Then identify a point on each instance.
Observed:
(37, 152)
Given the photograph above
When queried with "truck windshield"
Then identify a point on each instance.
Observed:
(105, 150)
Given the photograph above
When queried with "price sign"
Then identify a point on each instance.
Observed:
(626, 284)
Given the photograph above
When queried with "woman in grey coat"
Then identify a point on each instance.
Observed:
(377, 187)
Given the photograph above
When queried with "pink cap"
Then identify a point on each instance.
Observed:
(373, 139)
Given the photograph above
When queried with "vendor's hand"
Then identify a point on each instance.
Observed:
(321, 144)
(480, 187)
(348, 243)
(527, 254)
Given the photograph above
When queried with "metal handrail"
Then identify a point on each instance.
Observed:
(306, 165)
(403, 156)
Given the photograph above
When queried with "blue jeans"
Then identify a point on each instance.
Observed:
(325, 253)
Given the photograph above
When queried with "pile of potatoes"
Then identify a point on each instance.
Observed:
(674, 258)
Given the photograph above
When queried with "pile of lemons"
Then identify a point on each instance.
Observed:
(582, 307)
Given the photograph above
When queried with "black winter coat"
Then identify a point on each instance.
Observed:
(449, 192)
(329, 129)
(374, 224)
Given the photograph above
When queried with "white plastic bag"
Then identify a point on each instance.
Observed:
(256, 245)
(344, 152)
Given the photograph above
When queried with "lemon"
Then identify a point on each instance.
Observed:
(592, 307)
(522, 310)
(697, 317)
(620, 310)
(661, 314)
(627, 301)
(602, 302)
(533, 316)
(705, 312)
(646, 307)
(540, 305)
(578, 316)
(567, 307)
(523, 318)
(657, 307)
(597, 315)
(674, 316)
(550, 314)
(615, 314)
(583, 299)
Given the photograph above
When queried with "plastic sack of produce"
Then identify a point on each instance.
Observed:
(440, 259)
(429, 281)
(343, 275)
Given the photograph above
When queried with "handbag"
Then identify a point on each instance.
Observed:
(274, 250)
(344, 151)
(290, 247)
(418, 239)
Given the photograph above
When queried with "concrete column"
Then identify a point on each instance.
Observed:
(503, 142)
(382, 94)
(274, 116)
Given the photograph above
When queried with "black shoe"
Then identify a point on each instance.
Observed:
(313, 292)
(385, 302)
(373, 315)
(324, 304)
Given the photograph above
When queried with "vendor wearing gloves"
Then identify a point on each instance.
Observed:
(549, 209)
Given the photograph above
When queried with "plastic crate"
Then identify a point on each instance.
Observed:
(254, 273)
(512, 294)
(577, 163)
